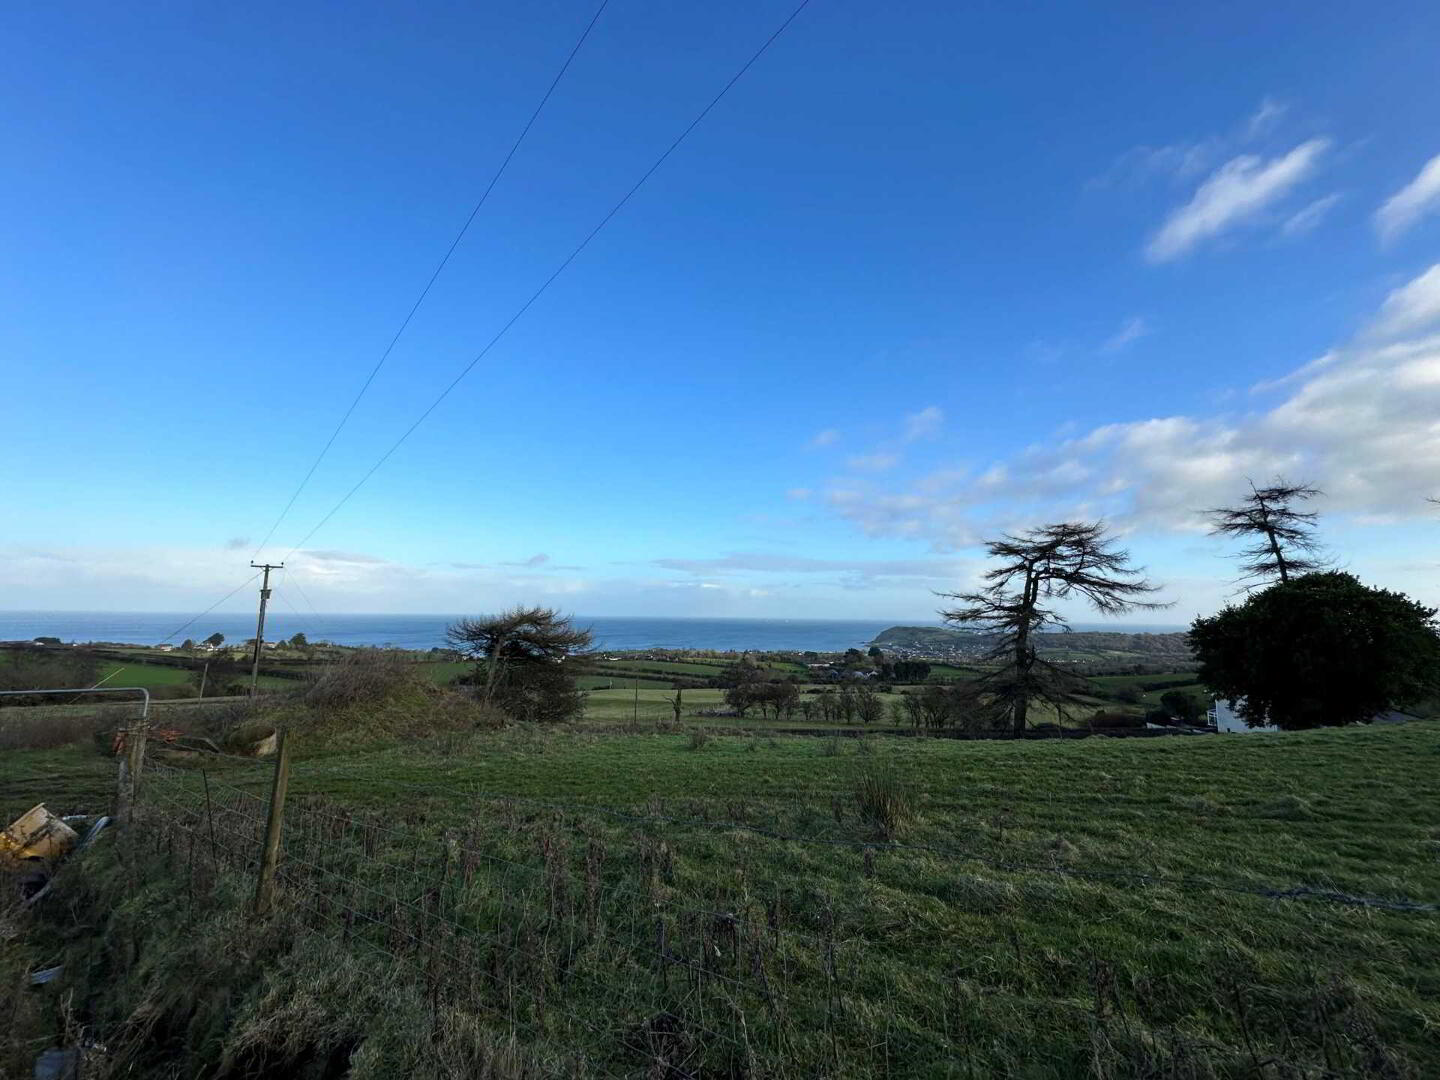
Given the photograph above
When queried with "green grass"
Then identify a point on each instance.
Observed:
(619, 706)
(952, 671)
(676, 667)
(444, 672)
(1009, 939)
(146, 675)
(1120, 682)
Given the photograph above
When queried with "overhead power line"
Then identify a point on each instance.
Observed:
(434, 275)
(186, 625)
(564, 265)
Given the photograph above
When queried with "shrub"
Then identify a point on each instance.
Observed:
(365, 676)
(25, 668)
(44, 729)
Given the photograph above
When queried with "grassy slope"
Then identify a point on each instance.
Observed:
(955, 959)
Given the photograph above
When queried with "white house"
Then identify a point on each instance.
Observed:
(1223, 719)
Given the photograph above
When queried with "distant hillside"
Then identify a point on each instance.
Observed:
(940, 640)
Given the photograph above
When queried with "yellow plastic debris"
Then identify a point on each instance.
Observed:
(36, 834)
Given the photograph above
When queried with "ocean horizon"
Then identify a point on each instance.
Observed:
(427, 631)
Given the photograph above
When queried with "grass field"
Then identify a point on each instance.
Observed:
(443, 672)
(1093, 908)
(676, 667)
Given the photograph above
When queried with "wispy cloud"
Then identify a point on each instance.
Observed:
(1234, 195)
(881, 461)
(924, 424)
(1411, 203)
(852, 572)
(1309, 216)
(1175, 161)
(1263, 120)
(828, 437)
(340, 557)
(1186, 159)
(1131, 331)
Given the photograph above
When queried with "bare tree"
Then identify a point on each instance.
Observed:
(1051, 562)
(1284, 541)
(524, 652)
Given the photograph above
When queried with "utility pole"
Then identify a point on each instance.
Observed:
(260, 624)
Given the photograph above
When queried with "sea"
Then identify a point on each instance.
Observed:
(426, 631)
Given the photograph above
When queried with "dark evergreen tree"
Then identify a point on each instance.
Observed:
(1283, 538)
(1320, 650)
(1052, 562)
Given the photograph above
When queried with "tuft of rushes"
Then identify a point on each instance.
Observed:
(884, 800)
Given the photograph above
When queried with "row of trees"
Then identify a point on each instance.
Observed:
(295, 641)
(1309, 647)
(857, 703)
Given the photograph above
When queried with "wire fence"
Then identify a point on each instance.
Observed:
(596, 956)
(592, 941)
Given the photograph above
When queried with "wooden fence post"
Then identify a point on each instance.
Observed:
(270, 856)
(132, 764)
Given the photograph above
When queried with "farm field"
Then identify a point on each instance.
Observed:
(1023, 900)
(675, 667)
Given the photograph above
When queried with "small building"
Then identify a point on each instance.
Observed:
(1226, 721)
(1223, 719)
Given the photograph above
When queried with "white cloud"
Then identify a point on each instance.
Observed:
(923, 424)
(1412, 202)
(1178, 161)
(1182, 161)
(1410, 309)
(335, 557)
(191, 579)
(1263, 120)
(881, 461)
(759, 562)
(799, 494)
(1131, 331)
(828, 437)
(849, 574)
(1309, 216)
(1233, 195)
(1362, 423)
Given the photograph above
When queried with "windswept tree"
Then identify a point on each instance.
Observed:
(524, 661)
(1282, 537)
(1068, 560)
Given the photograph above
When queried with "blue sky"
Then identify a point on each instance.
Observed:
(927, 272)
